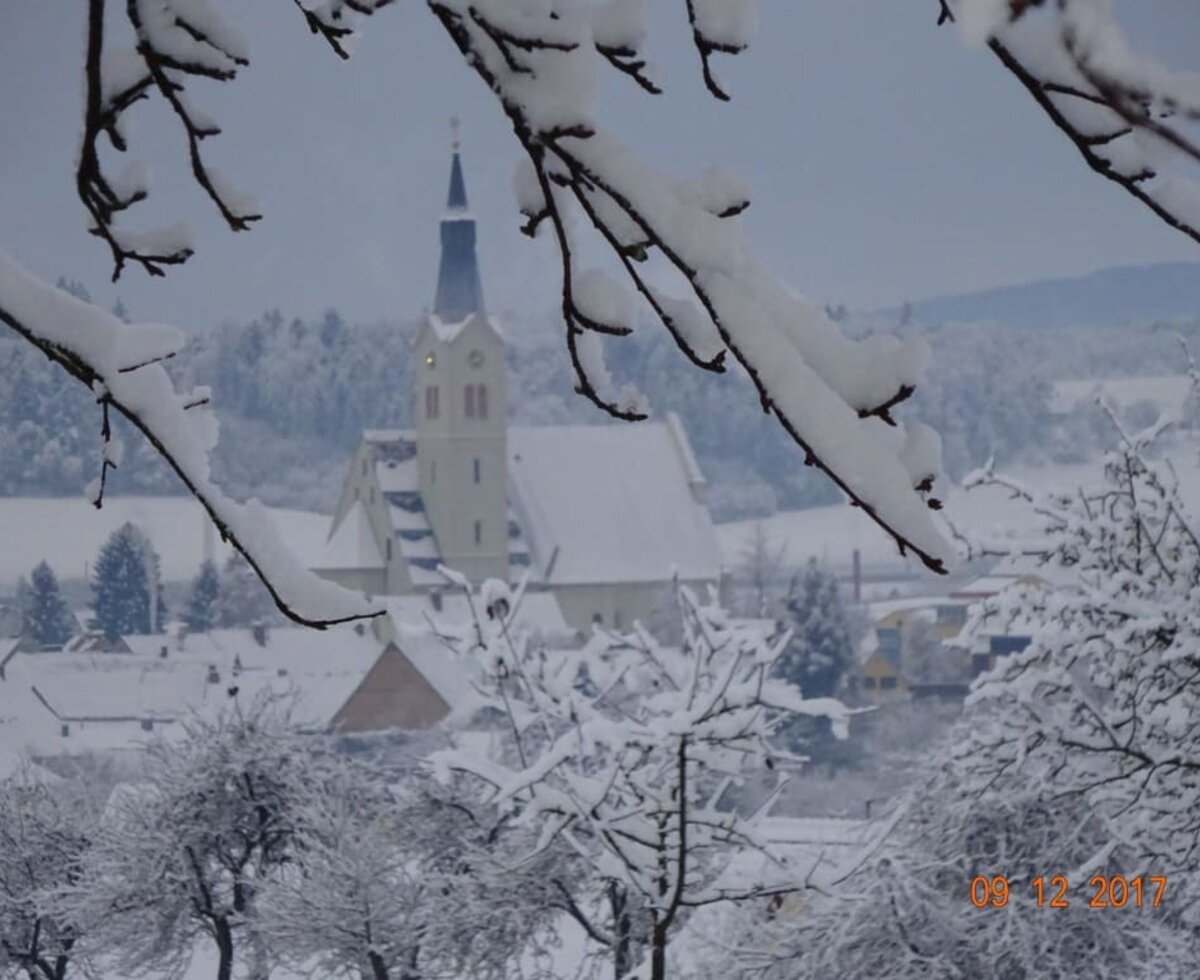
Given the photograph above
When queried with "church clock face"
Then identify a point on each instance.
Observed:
(475, 358)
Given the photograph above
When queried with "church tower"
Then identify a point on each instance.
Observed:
(460, 409)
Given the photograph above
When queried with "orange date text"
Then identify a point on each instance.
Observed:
(1054, 891)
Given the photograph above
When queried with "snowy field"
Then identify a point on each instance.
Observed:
(67, 532)
(832, 533)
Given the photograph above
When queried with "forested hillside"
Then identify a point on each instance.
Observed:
(292, 396)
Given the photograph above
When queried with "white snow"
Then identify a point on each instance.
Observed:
(352, 544)
(613, 502)
(68, 532)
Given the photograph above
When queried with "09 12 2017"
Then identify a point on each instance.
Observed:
(1054, 891)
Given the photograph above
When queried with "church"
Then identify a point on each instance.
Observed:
(601, 516)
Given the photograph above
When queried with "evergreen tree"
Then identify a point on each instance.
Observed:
(201, 611)
(21, 600)
(818, 654)
(820, 649)
(47, 618)
(121, 585)
(242, 599)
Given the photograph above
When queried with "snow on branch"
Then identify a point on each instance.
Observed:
(1102, 704)
(635, 753)
(833, 395)
(122, 364)
(1132, 120)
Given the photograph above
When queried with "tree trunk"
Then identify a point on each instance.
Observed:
(379, 970)
(622, 928)
(658, 953)
(224, 939)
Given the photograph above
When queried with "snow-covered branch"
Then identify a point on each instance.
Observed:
(635, 753)
(1132, 120)
(122, 365)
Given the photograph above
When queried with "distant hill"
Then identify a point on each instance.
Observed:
(1109, 297)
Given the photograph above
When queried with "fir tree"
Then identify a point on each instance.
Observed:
(819, 652)
(201, 611)
(47, 619)
(242, 600)
(121, 585)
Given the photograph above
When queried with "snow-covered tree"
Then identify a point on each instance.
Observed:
(407, 882)
(634, 754)
(48, 620)
(45, 833)
(966, 885)
(820, 649)
(1102, 702)
(201, 612)
(923, 656)
(124, 580)
(241, 599)
(760, 568)
(182, 854)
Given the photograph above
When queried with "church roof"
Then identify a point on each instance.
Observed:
(352, 544)
(612, 503)
(459, 289)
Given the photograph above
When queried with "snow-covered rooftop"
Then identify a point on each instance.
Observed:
(352, 544)
(611, 503)
(116, 700)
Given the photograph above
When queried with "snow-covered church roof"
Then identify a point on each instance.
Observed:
(612, 503)
(351, 545)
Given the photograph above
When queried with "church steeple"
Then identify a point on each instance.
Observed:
(459, 290)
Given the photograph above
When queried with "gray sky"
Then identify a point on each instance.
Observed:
(887, 162)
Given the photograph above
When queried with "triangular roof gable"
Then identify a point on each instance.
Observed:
(392, 695)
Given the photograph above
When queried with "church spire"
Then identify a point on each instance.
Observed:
(459, 291)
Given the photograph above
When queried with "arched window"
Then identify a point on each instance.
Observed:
(431, 401)
(476, 468)
(481, 401)
(479, 532)
(469, 401)
(388, 549)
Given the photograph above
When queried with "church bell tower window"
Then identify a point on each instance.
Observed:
(475, 401)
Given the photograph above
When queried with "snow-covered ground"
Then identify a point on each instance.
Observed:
(832, 533)
(67, 532)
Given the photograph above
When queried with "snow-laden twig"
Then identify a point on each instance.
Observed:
(122, 364)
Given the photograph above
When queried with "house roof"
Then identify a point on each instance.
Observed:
(447, 673)
(105, 699)
(612, 503)
(539, 612)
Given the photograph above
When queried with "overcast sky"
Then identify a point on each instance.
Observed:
(887, 162)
